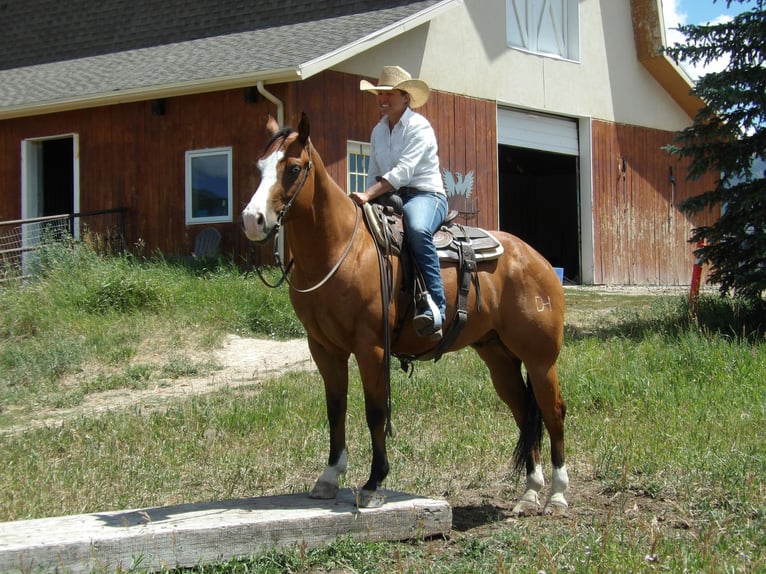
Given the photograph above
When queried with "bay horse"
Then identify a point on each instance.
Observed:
(335, 290)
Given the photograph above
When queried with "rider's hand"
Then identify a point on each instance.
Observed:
(360, 197)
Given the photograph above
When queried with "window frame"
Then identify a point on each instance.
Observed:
(360, 149)
(190, 156)
(569, 35)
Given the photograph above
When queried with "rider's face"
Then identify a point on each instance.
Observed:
(393, 103)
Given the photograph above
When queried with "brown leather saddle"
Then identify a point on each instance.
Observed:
(456, 243)
(386, 227)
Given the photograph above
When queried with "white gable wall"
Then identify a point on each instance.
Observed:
(464, 51)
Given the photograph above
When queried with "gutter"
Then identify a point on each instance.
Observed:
(153, 92)
(274, 100)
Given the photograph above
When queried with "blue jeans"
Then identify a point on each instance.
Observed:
(424, 212)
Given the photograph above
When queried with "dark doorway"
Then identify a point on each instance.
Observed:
(539, 204)
(57, 177)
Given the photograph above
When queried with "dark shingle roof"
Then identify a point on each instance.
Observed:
(80, 49)
(42, 31)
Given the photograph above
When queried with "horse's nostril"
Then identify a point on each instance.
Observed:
(259, 219)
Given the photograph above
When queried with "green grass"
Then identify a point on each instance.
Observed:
(664, 426)
(83, 310)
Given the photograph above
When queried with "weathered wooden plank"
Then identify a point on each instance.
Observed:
(191, 534)
(640, 234)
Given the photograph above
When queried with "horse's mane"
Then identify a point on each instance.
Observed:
(281, 134)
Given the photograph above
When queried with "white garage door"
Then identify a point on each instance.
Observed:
(535, 131)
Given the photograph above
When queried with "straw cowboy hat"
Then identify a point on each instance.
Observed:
(397, 78)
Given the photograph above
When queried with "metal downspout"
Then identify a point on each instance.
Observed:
(274, 100)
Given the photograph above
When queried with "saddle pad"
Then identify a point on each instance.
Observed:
(484, 244)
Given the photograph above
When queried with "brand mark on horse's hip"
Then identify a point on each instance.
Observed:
(542, 304)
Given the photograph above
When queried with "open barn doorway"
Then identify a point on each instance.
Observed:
(538, 202)
(50, 176)
(50, 186)
(539, 192)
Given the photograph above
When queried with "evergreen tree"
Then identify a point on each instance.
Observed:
(728, 138)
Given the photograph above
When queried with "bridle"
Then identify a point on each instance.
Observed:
(279, 230)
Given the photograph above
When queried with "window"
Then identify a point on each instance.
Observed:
(208, 186)
(549, 27)
(358, 161)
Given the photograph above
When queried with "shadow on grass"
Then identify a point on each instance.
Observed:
(468, 517)
(671, 317)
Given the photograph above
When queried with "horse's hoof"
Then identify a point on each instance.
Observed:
(556, 506)
(527, 508)
(556, 510)
(324, 490)
(370, 499)
(529, 505)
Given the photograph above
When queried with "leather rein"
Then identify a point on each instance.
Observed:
(279, 231)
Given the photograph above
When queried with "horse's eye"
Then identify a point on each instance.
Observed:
(294, 170)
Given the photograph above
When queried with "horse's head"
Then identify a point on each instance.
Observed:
(284, 165)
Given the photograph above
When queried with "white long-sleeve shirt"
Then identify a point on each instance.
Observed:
(406, 156)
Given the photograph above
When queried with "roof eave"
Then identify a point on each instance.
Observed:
(298, 72)
(676, 82)
(150, 93)
(327, 61)
(649, 33)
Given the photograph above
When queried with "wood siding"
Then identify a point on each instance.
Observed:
(466, 130)
(131, 158)
(640, 235)
(134, 159)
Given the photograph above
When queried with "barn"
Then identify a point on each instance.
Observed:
(144, 119)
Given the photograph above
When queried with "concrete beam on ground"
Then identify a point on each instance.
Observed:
(191, 534)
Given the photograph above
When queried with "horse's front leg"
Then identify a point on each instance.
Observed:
(334, 371)
(373, 374)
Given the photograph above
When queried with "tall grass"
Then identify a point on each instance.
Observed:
(664, 429)
(81, 309)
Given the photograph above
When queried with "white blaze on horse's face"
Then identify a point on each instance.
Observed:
(259, 217)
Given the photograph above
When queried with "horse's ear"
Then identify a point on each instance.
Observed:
(304, 128)
(272, 127)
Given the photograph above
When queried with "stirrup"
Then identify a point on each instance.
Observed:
(430, 332)
(428, 318)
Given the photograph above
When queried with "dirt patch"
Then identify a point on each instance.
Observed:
(242, 361)
(481, 514)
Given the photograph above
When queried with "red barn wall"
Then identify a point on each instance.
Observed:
(131, 158)
(134, 159)
(640, 235)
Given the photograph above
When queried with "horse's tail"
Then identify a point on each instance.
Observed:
(531, 431)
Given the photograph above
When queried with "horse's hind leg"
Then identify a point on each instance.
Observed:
(334, 371)
(545, 383)
(505, 370)
(531, 405)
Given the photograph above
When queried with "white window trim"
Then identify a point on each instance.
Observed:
(563, 36)
(356, 147)
(192, 154)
